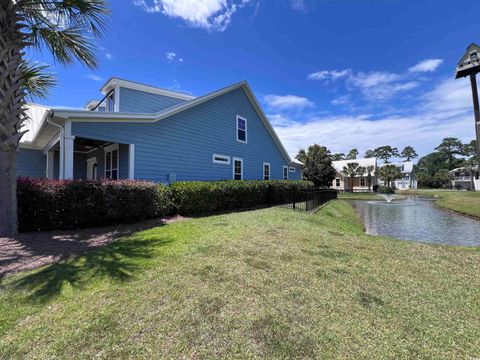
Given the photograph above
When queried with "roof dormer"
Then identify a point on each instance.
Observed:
(129, 96)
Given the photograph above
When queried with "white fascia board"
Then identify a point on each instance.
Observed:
(114, 81)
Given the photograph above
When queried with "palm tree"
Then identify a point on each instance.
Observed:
(389, 173)
(351, 170)
(65, 28)
(369, 170)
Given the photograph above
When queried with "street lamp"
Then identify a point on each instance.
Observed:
(469, 65)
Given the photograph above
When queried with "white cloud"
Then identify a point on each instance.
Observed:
(373, 78)
(443, 111)
(428, 65)
(180, 59)
(170, 56)
(109, 56)
(298, 5)
(94, 77)
(214, 15)
(330, 74)
(285, 102)
(341, 100)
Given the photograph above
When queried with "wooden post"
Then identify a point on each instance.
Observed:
(476, 111)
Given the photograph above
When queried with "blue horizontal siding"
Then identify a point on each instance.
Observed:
(183, 144)
(31, 163)
(135, 101)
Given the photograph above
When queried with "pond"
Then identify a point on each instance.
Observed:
(417, 219)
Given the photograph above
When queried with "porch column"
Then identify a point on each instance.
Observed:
(68, 157)
(131, 161)
(50, 164)
(68, 141)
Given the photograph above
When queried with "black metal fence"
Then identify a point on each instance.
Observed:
(302, 200)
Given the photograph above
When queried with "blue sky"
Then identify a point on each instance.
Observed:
(346, 73)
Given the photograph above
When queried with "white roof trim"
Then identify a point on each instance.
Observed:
(93, 116)
(113, 81)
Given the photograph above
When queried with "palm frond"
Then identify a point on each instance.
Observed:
(36, 81)
(66, 27)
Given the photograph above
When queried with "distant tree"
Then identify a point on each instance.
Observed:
(424, 180)
(369, 170)
(370, 154)
(470, 149)
(338, 156)
(443, 179)
(451, 146)
(317, 165)
(352, 154)
(389, 173)
(408, 153)
(386, 152)
(350, 170)
(434, 162)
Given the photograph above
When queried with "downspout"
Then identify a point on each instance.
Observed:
(61, 172)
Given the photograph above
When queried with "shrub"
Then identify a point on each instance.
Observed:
(66, 204)
(202, 197)
(385, 190)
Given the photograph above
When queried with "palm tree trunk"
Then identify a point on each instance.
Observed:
(12, 101)
(8, 192)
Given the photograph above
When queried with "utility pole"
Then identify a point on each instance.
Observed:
(476, 111)
(469, 65)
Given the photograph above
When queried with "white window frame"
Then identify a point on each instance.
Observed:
(269, 170)
(291, 169)
(111, 99)
(338, 182)
(285, 172)
(238, 117)
(362, 180)
(233, 167)
(215, 161)
(108, 149)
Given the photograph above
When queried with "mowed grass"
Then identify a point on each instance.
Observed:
(465, 202)
(270, 283)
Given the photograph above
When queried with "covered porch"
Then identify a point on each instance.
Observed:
(81, 158)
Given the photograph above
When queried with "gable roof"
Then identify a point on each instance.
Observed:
(115, 81)
(95, 116)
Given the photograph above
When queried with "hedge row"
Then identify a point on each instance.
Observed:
(66, 204)
(202, 197)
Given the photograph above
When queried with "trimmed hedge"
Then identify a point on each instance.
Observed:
(207, 197)
(65, 204)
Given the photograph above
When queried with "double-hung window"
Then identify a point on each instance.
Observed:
(266, 171)
(237, 169)
(111, 162)
(362, 182)
(285, 173)
(241, 129)
(337, 182)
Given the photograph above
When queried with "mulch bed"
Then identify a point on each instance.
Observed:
(36, 249)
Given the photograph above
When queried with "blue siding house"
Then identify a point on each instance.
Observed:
(143, 132)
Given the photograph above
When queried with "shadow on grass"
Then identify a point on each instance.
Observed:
(118, 261)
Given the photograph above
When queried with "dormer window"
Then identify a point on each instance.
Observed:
(111, 102)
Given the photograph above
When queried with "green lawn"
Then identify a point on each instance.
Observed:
(270, 283)
(466, 202)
